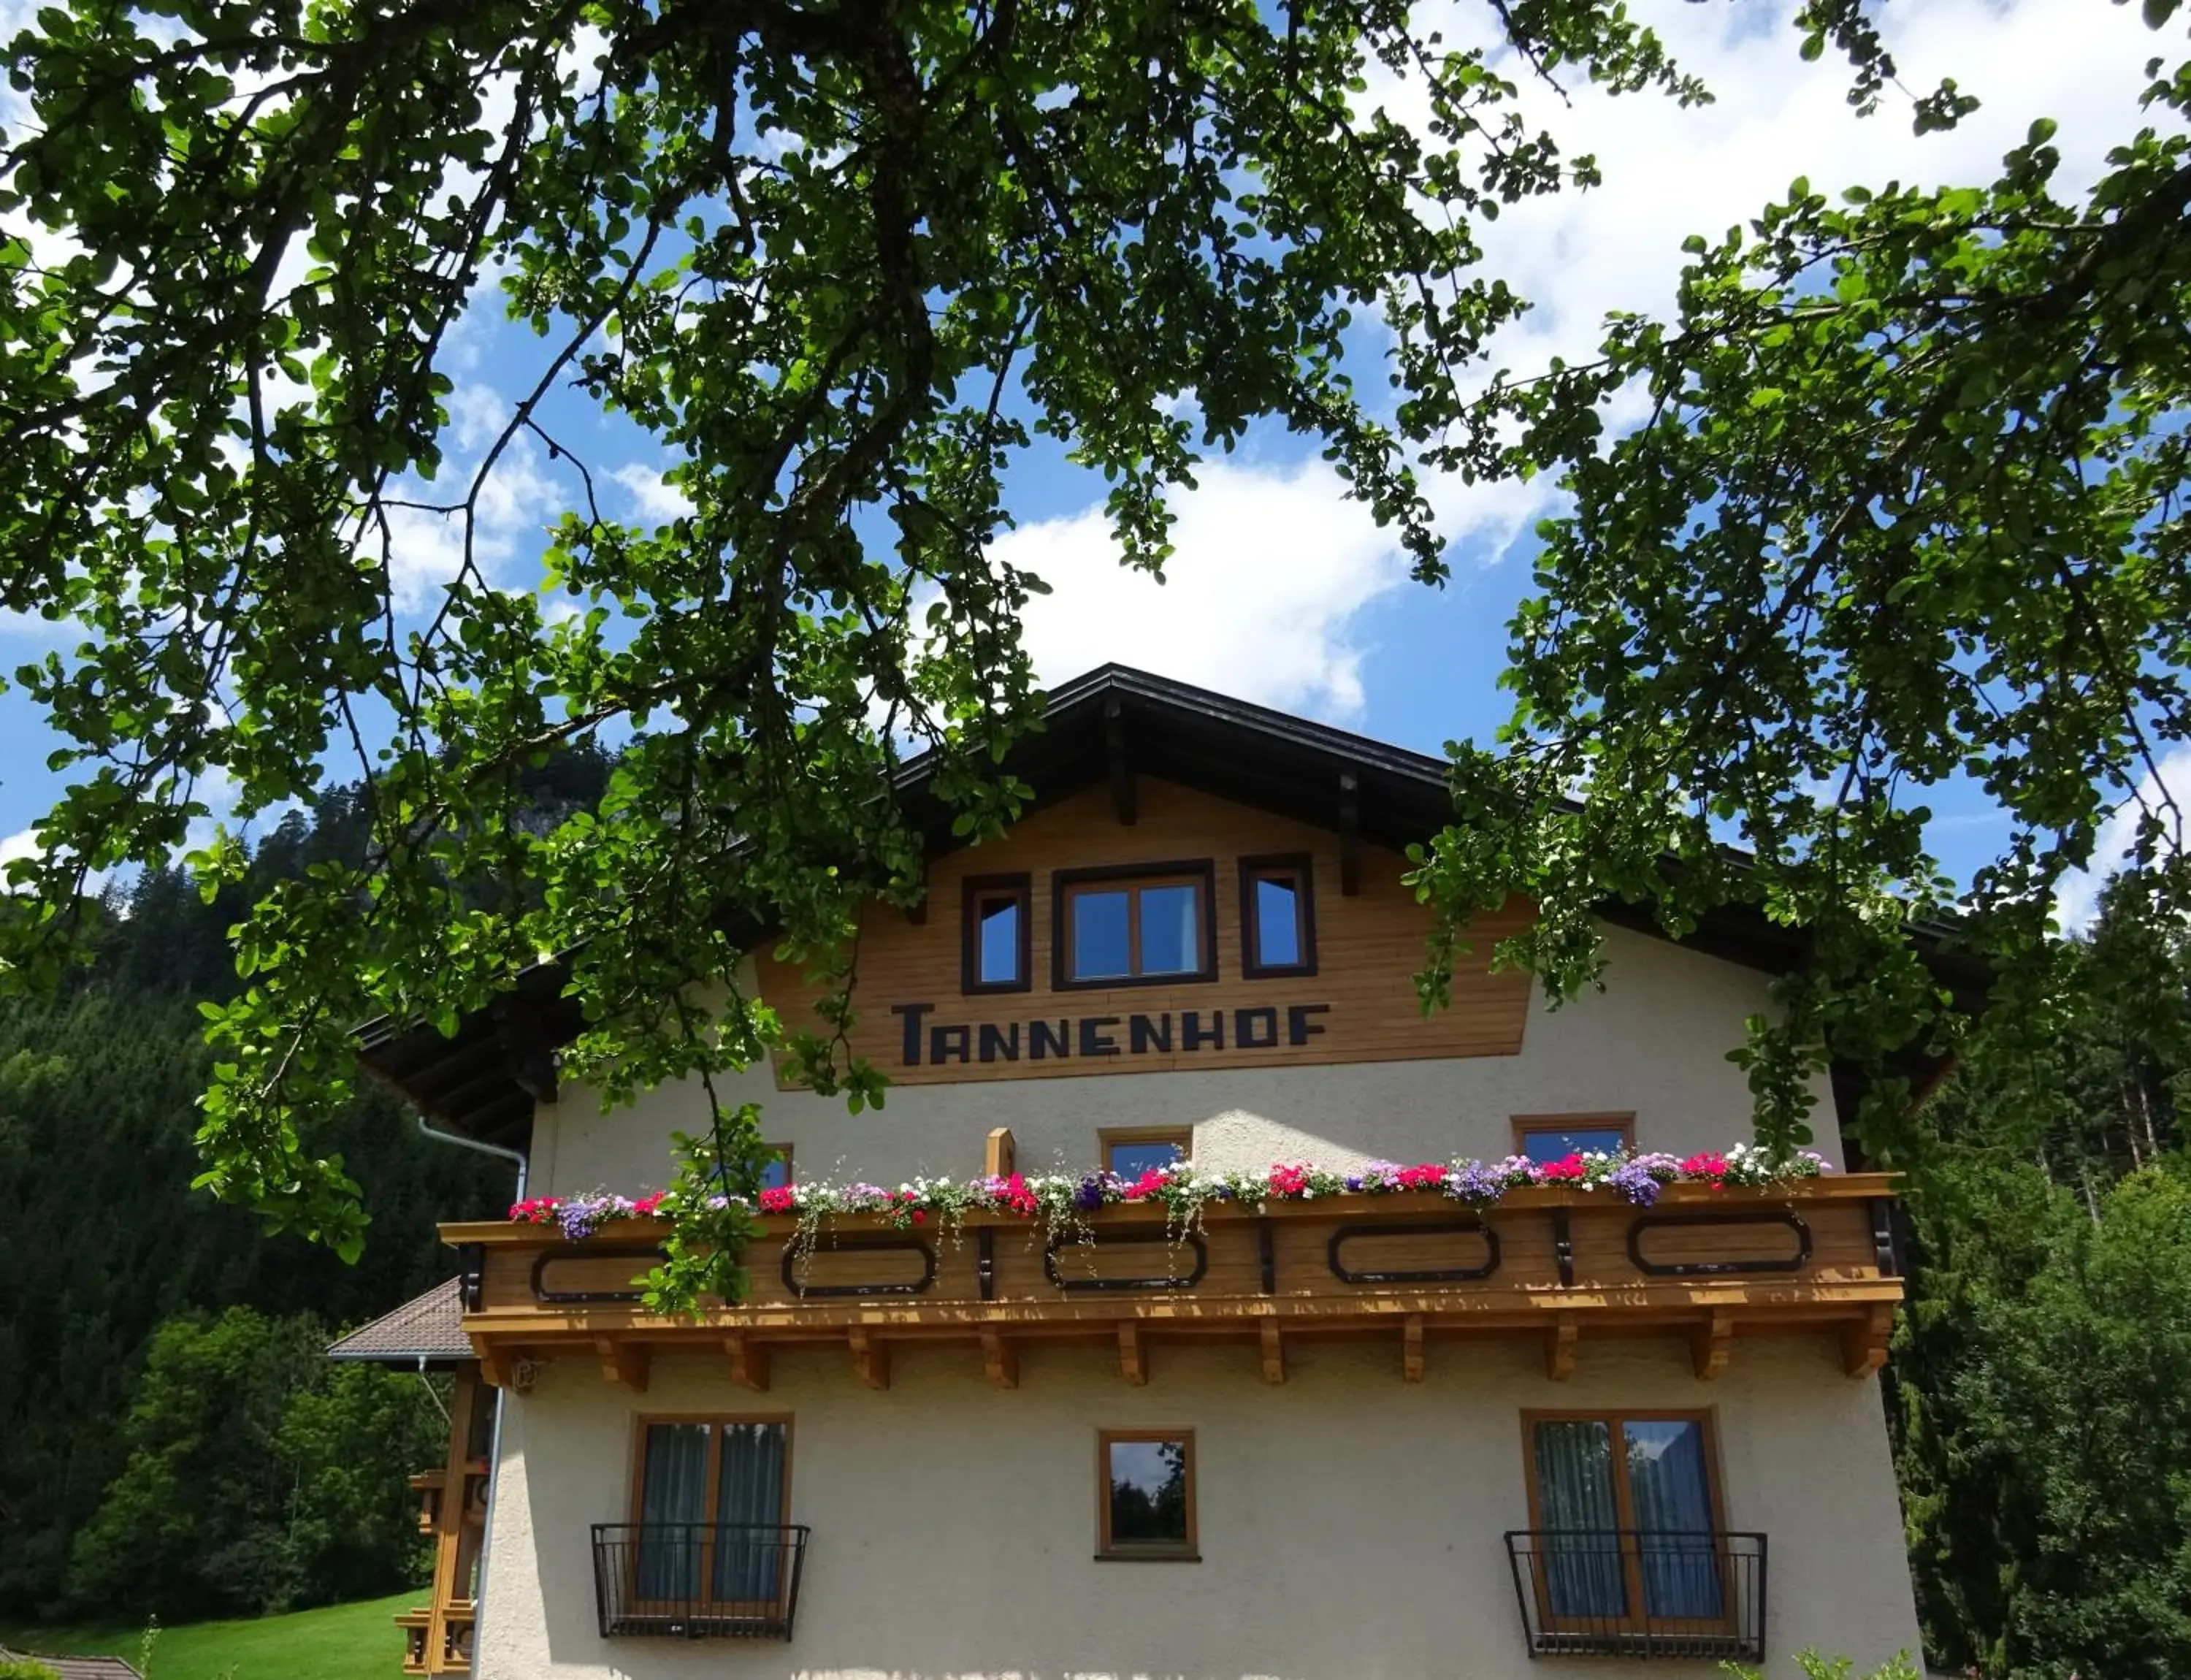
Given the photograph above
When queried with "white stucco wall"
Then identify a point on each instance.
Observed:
(1351, 1523)
(1654, 1042)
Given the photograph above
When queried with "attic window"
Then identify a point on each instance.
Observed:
(1134, 927)
(1278, 917)
(999, 935)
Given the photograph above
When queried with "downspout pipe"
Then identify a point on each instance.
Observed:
(523, 1163)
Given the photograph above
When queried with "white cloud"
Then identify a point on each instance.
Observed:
(1270, 565)
(2078, 899)
(425, 549)
(650, 495)
(1669, 173)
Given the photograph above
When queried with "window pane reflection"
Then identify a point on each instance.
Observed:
(1099, 935)
(1147, 1493)
(1170, 940)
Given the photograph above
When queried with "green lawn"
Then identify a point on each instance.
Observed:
(343, 1641)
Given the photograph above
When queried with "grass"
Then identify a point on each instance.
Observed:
(343, 1641)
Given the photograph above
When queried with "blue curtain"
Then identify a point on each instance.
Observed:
(673, 1490)
(1583, 1576)
(1671, 1495)
(749, 1490)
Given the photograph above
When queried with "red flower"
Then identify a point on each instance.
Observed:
(776, 1199)
(1289, 1181)
(645, 1207)
(1017, 1196)
(1427, 1176)
(919, 1217)
(1565, 1170)
(1147, 1185)
(535, 1211)
(1708, 1165)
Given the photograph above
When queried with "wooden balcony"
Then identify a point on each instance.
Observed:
(1713, 1266)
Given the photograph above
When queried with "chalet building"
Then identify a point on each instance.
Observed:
(1385, 1431)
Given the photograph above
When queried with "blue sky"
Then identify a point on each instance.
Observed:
(1283, 593)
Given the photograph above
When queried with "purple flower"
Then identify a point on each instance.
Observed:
(1635, 1183)
(1089, 1195)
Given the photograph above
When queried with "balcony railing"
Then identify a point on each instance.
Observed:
(698, 1580)
(1602, 1592)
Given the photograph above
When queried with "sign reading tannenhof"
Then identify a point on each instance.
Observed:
(1093, 1037)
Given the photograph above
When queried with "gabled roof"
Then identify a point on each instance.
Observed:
(76, 1668)
(1112, 724)
(427, 1328)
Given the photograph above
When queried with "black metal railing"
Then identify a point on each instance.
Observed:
(698, 1580)
(1619, 1593)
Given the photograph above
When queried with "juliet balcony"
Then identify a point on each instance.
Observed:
(698, 1580)
(1708, 1265)
(1636, 1593)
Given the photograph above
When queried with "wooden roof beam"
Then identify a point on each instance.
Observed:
(1350, 834)
(1119, 764)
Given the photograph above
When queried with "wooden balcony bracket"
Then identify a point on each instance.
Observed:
(1411, 1348)
(1560, 1338)
(1864, 1344)
(1274, 1352)
(1133, 1364)
(497, 1364)
(870, 1359)
(1710, 1343)
(1000, 1359)
(623, 1362)
(749, 1362)
(1000, 1155)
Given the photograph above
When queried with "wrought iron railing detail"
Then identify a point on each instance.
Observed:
(1622, 1593)
(698, 1580)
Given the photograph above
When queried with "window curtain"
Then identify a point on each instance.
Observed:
(673, 1495)
(749, 1513)
(1671, 1495)
(1583, 1574)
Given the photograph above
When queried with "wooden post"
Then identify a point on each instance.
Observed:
(449, 1519)
(1274, 1352)
(1411, 1348)
(1000, 1160)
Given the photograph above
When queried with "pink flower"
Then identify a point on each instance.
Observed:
(776, 1199)
(1709, 1164)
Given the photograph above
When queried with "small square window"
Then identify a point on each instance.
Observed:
(999, 935)
(1124, 928)
(1278, 917)
(777, 1173)
(1145, 1494)
(1553, 1137)
(1131, 1153)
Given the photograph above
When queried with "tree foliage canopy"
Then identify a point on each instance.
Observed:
(845, 262)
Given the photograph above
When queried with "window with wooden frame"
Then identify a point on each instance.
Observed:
(775, 1171)
(1553, 1137)
(997, 952)
(712, 1500)
(1277, 916)
(1626, 1509)
(1149, 925)
(1131, 1151)
(1144, 1495)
